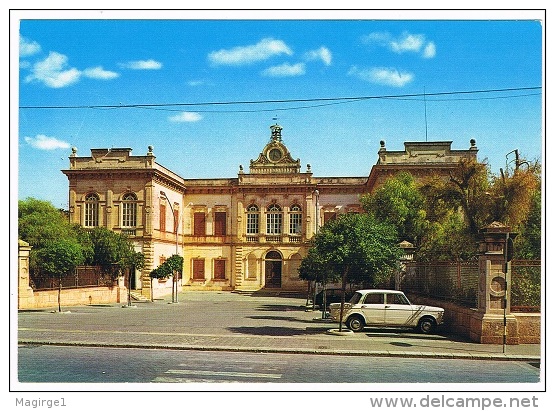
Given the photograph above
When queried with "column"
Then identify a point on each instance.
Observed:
(493, 322)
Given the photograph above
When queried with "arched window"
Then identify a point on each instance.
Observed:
(91, 210)
(295, 220)
(129, 210)
(253, 218)
(274, 220)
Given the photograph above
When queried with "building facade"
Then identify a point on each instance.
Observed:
(244, 233)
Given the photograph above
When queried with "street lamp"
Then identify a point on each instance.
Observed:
(176, 225)
(317, 221)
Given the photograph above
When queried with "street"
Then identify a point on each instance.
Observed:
(228, 337)
(65, 364)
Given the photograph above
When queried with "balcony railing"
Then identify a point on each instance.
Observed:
(284, 238)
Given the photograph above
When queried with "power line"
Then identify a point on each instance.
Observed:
(324, 101)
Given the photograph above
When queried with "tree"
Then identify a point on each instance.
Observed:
(314, 269)
(40, 224)
(172, 266)
(59, 259)
(355, 247)
(528, 244)
(399, 202)
(175, 263)
(132, 260)
(469, 186)
(112, 252)
(447, 240)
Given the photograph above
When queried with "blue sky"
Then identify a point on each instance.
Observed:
(97, 60)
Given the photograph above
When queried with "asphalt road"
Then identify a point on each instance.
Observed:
(55, 364)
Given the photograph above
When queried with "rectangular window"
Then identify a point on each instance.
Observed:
(198, 269)
(129, 216)
(91, 210)
(295, 223)
(199, 224)
(220, 223)
(374, 299)
(162, 217)
(252, 223)
(91, 214)
(219, 269)
(273, 223)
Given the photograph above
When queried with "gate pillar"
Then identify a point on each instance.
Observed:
(493, 322)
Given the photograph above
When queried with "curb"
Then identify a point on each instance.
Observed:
(366, 353)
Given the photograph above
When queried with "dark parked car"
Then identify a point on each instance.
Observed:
(333, 295)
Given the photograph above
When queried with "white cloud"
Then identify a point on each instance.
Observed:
(285, 70)
(323, 53)
(52, 71)
(28, 47)
(195, 83)
(142, 65)
(381, 37)
(185, 117)
(43, 142)
(406, 42)
(429, 50)
(99, 73)
(383, 76)
(242, 55)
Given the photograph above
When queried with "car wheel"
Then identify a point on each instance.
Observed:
(426, 325)
(355, 323)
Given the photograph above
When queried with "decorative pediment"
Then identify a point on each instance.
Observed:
(275, 158)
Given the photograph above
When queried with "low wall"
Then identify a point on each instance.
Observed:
(458, 320)
(73, 296)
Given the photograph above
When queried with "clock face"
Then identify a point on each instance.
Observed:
(274, 154)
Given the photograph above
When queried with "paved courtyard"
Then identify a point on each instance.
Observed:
(240, 322)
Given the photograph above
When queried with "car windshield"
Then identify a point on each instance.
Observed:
(355, 298)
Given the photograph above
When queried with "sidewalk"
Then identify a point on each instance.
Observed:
(232, 322)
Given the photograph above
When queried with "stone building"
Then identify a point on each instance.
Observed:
(243, 233)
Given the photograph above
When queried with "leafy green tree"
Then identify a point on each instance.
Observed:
(59, 258)
(132, 260)
(175, 263)
(112, 252)
(399, 202)
(528, 244)
(314, 269)
(447, 240)
(355, 248)
(162, 271)
(39, 222)
(469, 186)
(172, 266)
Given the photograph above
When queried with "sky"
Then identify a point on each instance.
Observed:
(203, 89)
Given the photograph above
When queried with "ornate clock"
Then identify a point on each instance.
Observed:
(274, 154)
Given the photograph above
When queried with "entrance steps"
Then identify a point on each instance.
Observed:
(137, 296)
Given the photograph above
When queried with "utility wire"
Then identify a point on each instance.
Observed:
(329, 100)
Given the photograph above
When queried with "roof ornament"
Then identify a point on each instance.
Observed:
(276, 132)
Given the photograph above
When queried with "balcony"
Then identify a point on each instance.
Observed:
(273, 238)
(207, 239)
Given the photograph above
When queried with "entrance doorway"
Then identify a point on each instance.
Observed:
(273, 264)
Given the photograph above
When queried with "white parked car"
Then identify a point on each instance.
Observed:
(386, 308)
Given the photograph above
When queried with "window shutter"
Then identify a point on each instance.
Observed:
(200, 224)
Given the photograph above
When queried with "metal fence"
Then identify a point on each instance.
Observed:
(457, 281)
(526, 285)
(85, 276)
